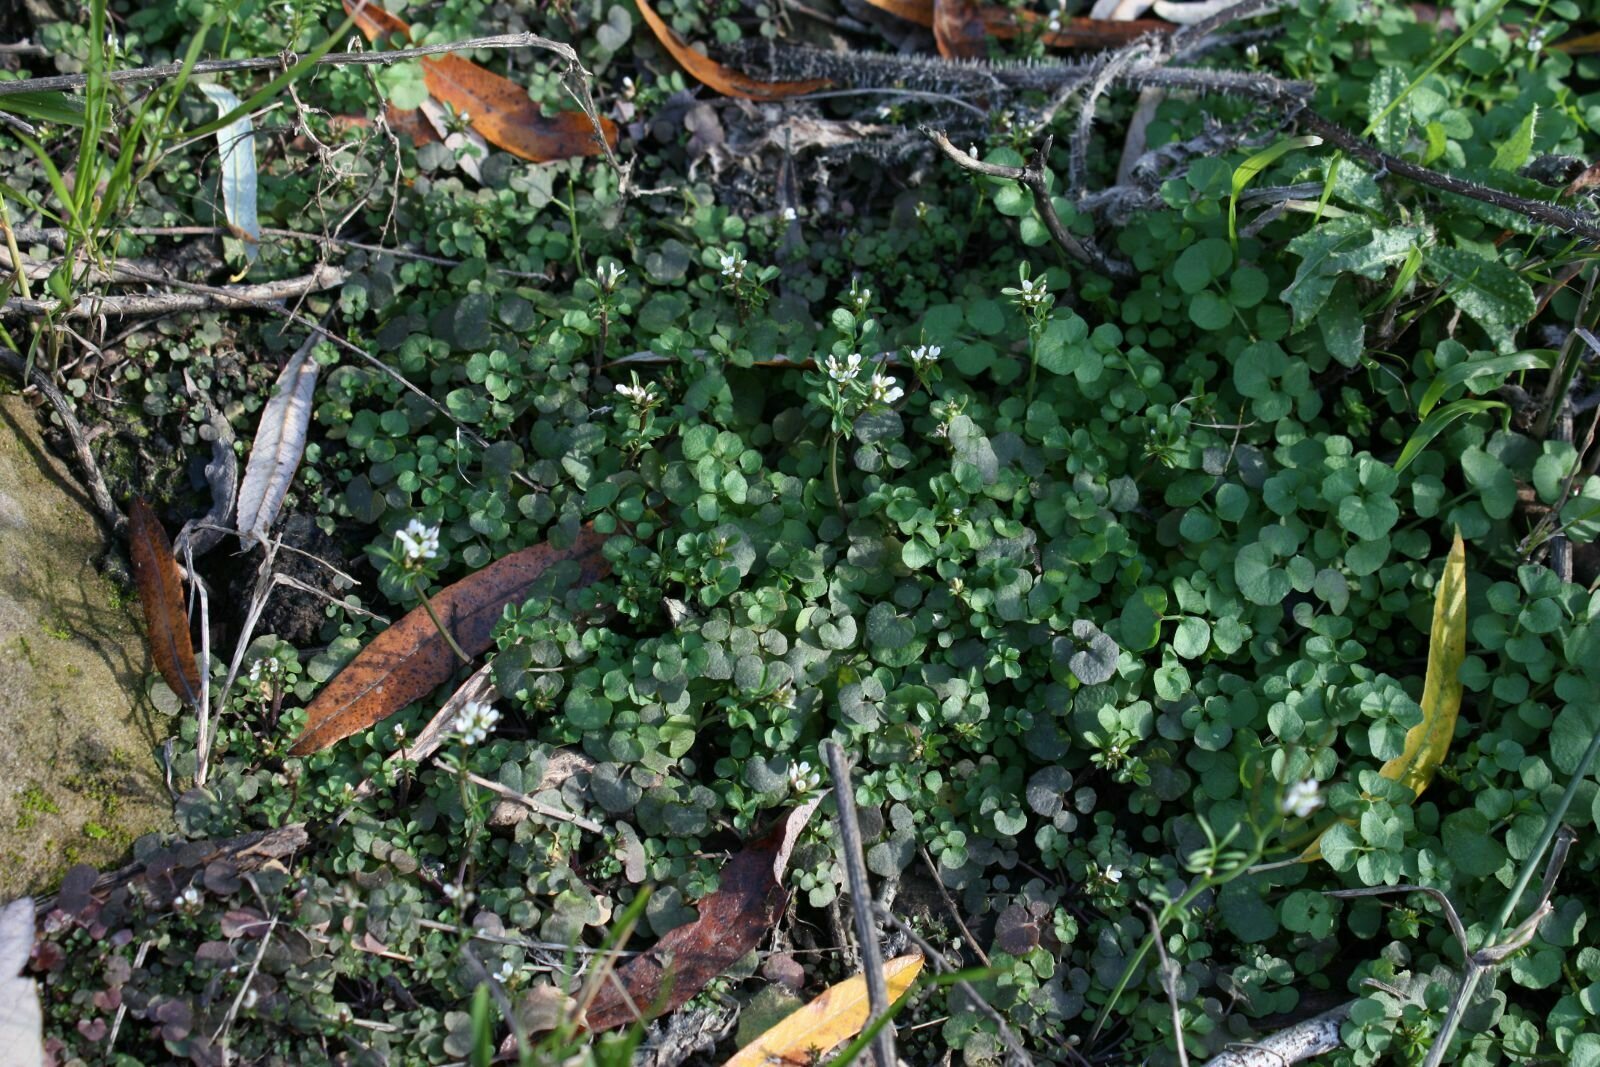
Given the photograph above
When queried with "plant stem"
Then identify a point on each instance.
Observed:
(1474, 971)
(427, 605)
(833, 472)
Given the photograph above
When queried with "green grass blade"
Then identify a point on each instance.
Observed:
(1246, 172)
(1497, 366)
(1437, 423)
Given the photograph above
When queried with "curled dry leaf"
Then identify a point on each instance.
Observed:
(1005, 23)
(280, 443)
(835, 1016)
(716, 76)
(733, 920)
(237, 144)
(497, 107)
(155, 571)
(958, 29)
(411, 657)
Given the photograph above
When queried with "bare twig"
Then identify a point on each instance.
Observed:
(855, 867)
(1313, 1037)
(1169, 982)
(1033, 177)
(230, 296)
(217, 66)
(950, 905)
(98, 493)
(1019, 1053)
(534, 806)
(1443, 901)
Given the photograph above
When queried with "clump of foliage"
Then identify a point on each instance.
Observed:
(1089, 576)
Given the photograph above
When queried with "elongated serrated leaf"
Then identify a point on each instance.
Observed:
(1436, 423)
(1429, 740)
(410, 658)
(1491, 293)
(834, 1017)
(155, 572)
(237, 144)
(21, 1020)
(1513, 152)
(280, 443)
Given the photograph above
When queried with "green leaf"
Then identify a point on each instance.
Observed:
(1259, 577)
(1480, 375)
(1246, 172)
(1436, 423)
(1202, 263)
(44, 107)
(1192, 638)
(1491, 293)
(1512, 153)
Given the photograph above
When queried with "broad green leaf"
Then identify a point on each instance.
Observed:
(1429, 740)
(45, 107)
(1436, 423)
(1246, 172)
(1491, 293)
(1389, 129)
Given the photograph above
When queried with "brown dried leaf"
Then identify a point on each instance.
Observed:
(497, 107)
(713, 74)
(733, 920)
(411, 657)
(155, 571)
(958, 29)
(1005, 23)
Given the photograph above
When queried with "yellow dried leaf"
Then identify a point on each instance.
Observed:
(1429, 740)
(834, 1017)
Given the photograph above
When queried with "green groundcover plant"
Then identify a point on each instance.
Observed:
(1116, 590)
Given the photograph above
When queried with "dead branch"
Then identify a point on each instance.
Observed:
(1313, 1037)
(216, 66)
(1033, 177)
(98, 493)
(229, 296)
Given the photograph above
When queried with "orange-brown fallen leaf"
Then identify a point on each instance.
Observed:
(709, 72)
(410, 658)
(497, 107)
(160, 583)
(835, 1016)
(1005, 23)
(733, 920)
(958, 29)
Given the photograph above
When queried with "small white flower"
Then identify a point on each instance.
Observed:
(189, 900)
(925, 354)
(451, 890)
(608, 276)
(790, 214)
(804, 778)
(505, 972)
(638, 394)
(475, 720)
(1302, 798)
(884, 388)
(733, 264)
(250, 998)
(628, 88)
(418, 541)
(845, 371)
(1113, 875)
(399, 733)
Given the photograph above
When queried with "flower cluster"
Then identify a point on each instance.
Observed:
(844, 371)
(804, 778)
(475, 721)
(924, 355)
(884, 389)
(1034, 293)
(418, 543)
(608, 275)
(1302, 798)
(733, 264)
(642, 395)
